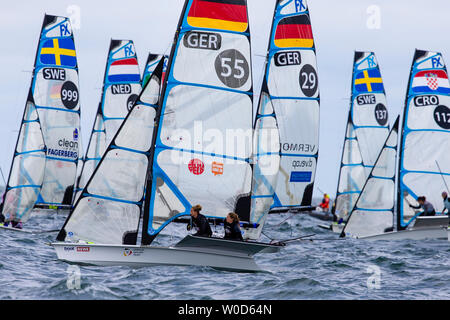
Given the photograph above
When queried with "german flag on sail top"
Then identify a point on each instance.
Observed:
(294, 32)
(219, 14)
(59, 52)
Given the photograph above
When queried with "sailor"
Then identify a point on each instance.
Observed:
(199, 222)
(446, 200)
(428, 209)
(232, 228)
(325, 204)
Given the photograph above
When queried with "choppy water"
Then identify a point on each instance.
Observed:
(326, 268)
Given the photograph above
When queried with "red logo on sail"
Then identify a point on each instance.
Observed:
(196, 166)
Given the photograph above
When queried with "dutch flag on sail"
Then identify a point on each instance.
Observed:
(125, 70)
(431, 81)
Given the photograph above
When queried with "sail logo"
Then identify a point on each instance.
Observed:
(124, 70)
(75, 135)
(217, 168)
(302, 163)
(54, 74)
(60, 52)
(287, 58)
(300, 176)
(196, 166)
(426, 100)
(431, 81)
(121, 88)
(298, 147)
(202, 40)
(366, 99)
(368, 81)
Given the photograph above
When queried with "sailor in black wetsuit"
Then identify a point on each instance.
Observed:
(199, 222)
(231, 226)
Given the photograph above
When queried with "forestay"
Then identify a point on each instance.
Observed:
(373, 212)
(55, 92)
(204, 139)
(121, 88)
(109, 207)
(366, 132)
(424, 159)
(293, 89)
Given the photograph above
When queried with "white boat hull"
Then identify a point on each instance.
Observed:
(412, 234)
(141, 256)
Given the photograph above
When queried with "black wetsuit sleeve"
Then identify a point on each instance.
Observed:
(203, 227)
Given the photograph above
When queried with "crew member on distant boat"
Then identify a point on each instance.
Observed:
(446, 200)
(325, 204)
(199, 222)
(428, 209)
(231, 227)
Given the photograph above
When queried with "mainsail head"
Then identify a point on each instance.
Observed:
(293, 86)
(150, 65)
(55, 92)
(424, 158)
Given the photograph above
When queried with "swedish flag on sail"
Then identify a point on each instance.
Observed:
(368, 81)
(59, 52)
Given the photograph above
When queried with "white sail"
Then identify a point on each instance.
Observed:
(121, 88)
(373, 212)
(204, 142)
(424, 159)
(367, 130)
(27, 169)
(55, 92)
(110, 205)
(294, 91)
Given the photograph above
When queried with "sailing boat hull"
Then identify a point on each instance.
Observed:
(412, 234)
(188, 252)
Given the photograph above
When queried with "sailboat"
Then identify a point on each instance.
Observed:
(44, 165)
(160, 164)
(366, 131)
(293, 88)
(121, 87)
(425, 136)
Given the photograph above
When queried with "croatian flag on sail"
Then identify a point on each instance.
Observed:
(125, 70)
(431, 81)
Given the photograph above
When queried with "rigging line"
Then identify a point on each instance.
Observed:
(442, 176)
(1, 171)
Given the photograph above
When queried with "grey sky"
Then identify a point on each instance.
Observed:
(339, 28)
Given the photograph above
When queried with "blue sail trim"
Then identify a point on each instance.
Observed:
(91, 195)
(57, 109)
